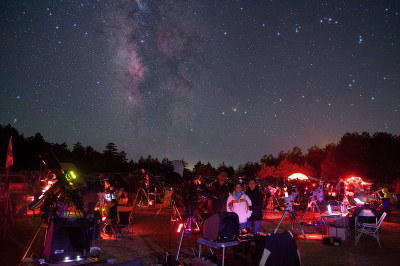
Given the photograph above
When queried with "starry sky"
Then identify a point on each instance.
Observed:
(211, 81)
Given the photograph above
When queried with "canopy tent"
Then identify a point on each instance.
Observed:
(298, 176)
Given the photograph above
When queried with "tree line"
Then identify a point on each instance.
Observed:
(375, 158)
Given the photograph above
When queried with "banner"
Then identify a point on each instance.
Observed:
(9, 160)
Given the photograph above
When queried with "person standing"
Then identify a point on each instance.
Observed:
(397, 190)
(239, 203)
(257, 202)
(221, 193)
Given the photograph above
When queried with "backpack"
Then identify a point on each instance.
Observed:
(222, 227)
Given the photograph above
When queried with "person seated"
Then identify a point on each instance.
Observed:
(112, 212)
(122, 197)
(387, 194)
(111, 218)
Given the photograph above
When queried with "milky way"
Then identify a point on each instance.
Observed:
(200, 80)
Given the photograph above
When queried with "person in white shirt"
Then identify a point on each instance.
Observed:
(239, 203)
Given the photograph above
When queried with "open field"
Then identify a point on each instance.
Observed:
(154, 236)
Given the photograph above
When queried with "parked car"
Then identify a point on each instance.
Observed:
(17, 182)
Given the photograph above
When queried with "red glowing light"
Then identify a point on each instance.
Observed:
(179, 228)
(355, 180)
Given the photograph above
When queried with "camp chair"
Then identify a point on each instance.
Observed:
(371, 229)
(124, 221)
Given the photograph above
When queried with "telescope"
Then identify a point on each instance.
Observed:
(290, 198)
(63, 185)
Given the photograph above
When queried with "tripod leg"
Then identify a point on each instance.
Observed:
(294, 215)
(180, 242)
(304, 214)
(283, 216)
(141, 197)
(176, 211)
(196, 223)
(137, 194)
(162, 206)
(323, 221)
(147, 197)
(33, 239)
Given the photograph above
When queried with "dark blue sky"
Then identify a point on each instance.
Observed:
(215, 81)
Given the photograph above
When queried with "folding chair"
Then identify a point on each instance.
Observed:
(124, 221)
(371, 229)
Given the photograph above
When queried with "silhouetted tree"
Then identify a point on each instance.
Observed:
(209, 170)
(198, 169)
(385, 159)
(111, 150)
(267, 171)
(268, 160)
(354, 151)
(295, 156)
(281, 156)
(314, 157)
(251, 169)
(375, 158)
(330, 167)
(228, 169)
(62, 152)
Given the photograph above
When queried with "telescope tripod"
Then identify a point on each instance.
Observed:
(293, 217)
(174, 214)
(41, 232)
(187, 230)
(142, 192)
(313, 204)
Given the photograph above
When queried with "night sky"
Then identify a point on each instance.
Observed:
(215, 81)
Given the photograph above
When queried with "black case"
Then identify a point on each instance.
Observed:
(332, 241)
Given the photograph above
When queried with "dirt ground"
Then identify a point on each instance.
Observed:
(154, 236)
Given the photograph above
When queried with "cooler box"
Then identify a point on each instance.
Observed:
(337, 232)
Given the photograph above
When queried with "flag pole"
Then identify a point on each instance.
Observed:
(6, 176)
(9, 160)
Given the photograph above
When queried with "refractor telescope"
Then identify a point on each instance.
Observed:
(289, 199)
(63, 186)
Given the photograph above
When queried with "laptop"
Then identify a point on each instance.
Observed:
(333, 214)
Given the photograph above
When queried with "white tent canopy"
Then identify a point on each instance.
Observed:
(297, 176)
